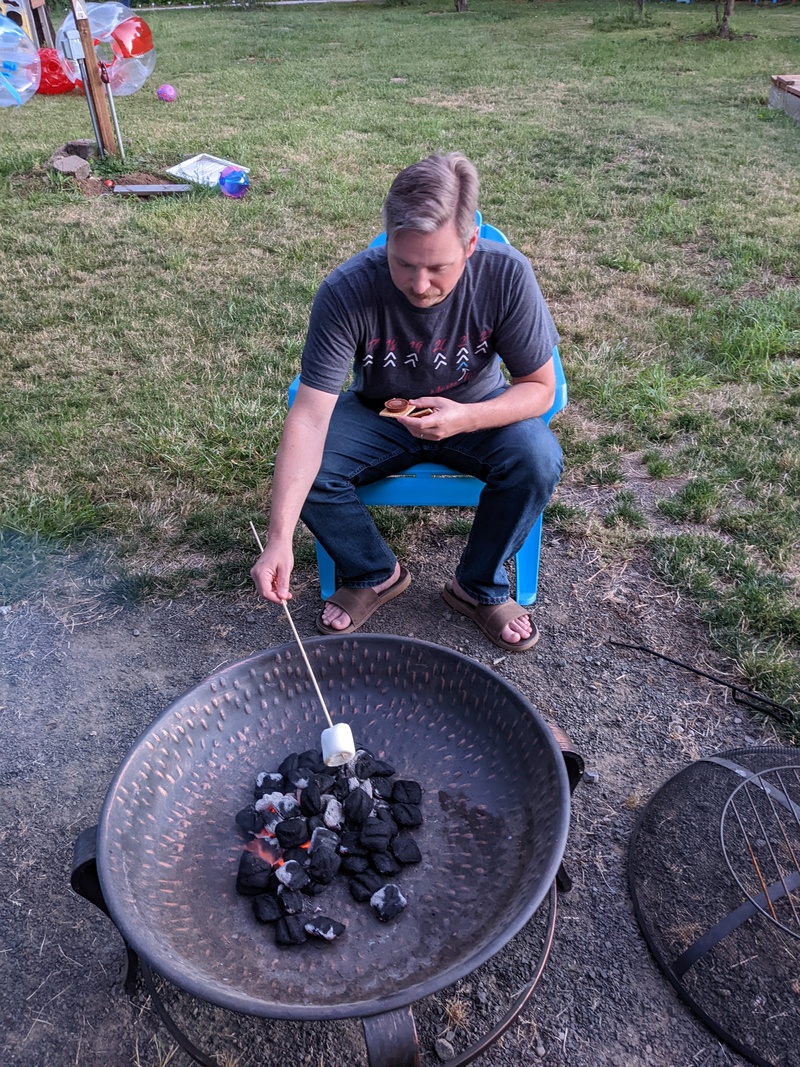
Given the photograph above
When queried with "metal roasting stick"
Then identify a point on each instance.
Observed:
(337, 740)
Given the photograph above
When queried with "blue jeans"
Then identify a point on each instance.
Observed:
(520, 464)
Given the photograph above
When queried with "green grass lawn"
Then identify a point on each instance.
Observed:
(145, 346)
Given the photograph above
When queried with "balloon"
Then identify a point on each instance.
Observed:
(233, 182)
(54, 78)
(167, 93)
(121, 39)
(20, 66)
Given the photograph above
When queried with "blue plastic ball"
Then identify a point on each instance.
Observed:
(233, 182)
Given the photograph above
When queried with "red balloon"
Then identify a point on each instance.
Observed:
(53, 80)
(133, 37)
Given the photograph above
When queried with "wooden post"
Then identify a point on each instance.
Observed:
(94, 86)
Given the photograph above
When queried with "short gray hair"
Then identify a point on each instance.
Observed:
(427, 195)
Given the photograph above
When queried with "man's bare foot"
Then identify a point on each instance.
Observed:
(517, 630)
(337, 619)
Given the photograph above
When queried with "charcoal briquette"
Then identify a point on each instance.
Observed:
(364, 766)
(357, 807)
(340, 789)
(325, 782)
(355, 864)
(382, 769)
(405, 849)
(299, 855)
(250, 820)
(292, 832)
(292, 875)
(290, 763)
(289, 931)
(253, 875)
(291, 900)
(406, 792)
(311, 799)
(388, 902)
(322, 837)
(350, 843)
(384, 863)
(375, 835)
(363, 886)
(268, 782)
(407, 815)
(312, 760)
(382, 788)
(324, 928)
(313, 889)
(325, 864)
(333, 816)
(267, 908)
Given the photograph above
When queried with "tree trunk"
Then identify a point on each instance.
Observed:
(461, 5)
(725, 28)
(640, 7)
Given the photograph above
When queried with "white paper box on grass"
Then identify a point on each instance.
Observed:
(203, 169)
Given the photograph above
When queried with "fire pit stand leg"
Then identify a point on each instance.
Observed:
(85, 881)
(391, 1039)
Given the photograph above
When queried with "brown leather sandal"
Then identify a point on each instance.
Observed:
(491, 618)
(361, 604)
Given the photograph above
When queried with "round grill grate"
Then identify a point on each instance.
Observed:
(715, 881)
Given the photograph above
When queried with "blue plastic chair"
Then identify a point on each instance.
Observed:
(434, 485)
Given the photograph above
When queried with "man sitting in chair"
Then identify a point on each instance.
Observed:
(422, 319)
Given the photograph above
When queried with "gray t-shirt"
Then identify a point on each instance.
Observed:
(360, 318)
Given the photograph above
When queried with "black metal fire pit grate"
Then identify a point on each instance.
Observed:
(496, 812)
(714, 869)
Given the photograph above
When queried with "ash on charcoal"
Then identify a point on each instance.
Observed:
(407, 815)
(334, 814)
(267, 782)
(357, 807)
(322, 837)
(365, 885)
(267, 908)
(283, 804)
(253, 875)
(375, 835)
(405, 849)
(405, 792)
(388, 902)
(324, 928)
(325, 864)
(292, 832)
(291, 900)
(385, 863)
(292, 875)
(250, 820)
(289, 931)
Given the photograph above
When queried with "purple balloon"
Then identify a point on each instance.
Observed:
(233, 182)
(167, 92)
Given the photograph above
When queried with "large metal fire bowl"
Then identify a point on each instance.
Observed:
(496, 810)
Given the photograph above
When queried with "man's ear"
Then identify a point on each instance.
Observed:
(472, 242)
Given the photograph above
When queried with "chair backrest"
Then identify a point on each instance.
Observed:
(491, 233)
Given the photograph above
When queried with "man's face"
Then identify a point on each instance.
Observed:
(425, 267)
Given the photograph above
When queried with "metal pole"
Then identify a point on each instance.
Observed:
(105, 78)
(92, 114)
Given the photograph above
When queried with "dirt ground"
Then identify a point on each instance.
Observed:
(82, 676)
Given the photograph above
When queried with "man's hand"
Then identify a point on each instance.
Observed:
(447, 418)
(271, 573)
(526, 398)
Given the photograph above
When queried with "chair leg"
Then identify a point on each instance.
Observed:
(527, 560)
(327, 573)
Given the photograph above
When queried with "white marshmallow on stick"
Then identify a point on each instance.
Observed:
(338, 746)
